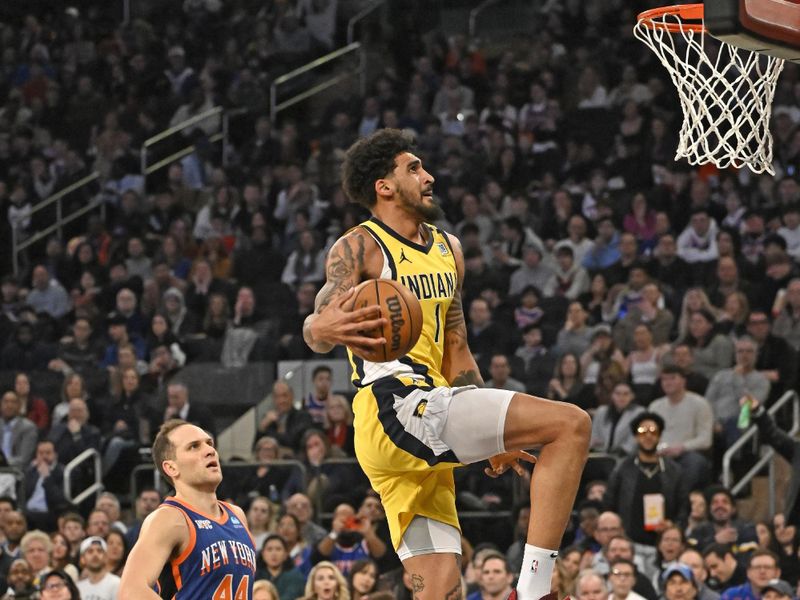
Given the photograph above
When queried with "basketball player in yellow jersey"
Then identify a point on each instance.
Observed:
(419, 417)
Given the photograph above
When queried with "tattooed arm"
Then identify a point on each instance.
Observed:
(350, 260)
(458, 364)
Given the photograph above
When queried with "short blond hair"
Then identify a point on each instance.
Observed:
(36, 536)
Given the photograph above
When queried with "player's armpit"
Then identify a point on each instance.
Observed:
(164, 533)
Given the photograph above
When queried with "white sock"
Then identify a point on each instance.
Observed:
(536, 572)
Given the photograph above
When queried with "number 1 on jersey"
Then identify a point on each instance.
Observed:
(438, 323)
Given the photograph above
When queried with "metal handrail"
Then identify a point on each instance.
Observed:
(96, 487)
(275, 108)
(59, 224)
(473, 15)
(351, 24)
(767, 453)
(164, 162)
(63, 192)
(182, 125)
(17, 247)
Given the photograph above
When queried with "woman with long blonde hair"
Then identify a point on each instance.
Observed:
(326, 582)
(695, 299)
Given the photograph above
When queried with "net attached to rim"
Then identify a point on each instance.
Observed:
(725, 92)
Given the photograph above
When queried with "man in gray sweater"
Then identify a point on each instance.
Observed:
(729, 386)
(689, 424)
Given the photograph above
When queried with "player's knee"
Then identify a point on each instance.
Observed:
(578, 425)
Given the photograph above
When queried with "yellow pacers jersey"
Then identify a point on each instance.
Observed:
(429, 271)
(412, 478)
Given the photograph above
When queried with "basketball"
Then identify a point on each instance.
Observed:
(400, 307)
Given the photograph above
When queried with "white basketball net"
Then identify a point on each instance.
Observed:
(725, 93)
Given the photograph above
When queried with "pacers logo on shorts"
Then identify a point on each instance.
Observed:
(420, 408)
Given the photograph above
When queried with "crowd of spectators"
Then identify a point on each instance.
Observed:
(600, 272)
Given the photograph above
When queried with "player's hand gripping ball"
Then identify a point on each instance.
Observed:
(402, 311)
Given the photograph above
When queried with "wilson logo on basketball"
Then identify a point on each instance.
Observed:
(395, 318)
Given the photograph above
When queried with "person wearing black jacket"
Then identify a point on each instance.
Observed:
(44, 488)
(284, 422)
(646, 473)
(788, 448)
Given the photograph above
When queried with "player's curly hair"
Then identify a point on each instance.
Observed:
(370, 159)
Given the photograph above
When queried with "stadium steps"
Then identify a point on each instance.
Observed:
(755, 507)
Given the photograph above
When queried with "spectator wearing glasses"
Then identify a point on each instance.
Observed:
(646, 478)
(57, 585)
(621, 579)
(728, 386)
(761, 569)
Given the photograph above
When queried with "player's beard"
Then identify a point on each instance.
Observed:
(428, 212)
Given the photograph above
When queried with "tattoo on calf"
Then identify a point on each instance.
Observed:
(417, 583)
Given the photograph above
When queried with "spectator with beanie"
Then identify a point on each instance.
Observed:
(688, 425)
(647, 488)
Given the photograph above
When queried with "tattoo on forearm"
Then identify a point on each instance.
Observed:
(467, 378)
(417, 583)
(343, 265)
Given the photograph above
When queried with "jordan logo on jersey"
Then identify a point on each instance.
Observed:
(403, 257)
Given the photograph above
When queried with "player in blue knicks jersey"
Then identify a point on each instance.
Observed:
(193, 547)
(422, 415)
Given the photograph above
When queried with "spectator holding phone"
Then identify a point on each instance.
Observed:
(352, 537)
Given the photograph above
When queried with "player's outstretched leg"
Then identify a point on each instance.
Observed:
(564, 431)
